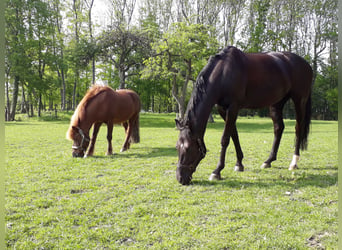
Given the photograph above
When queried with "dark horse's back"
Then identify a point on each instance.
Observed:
(258, 80)
(252, 76)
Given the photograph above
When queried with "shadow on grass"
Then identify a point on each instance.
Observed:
(35, 123)
(317, 180)
(152, 152)
(264, 124)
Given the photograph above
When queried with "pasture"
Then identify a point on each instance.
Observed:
(132, 200)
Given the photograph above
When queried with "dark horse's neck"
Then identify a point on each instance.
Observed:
(197, 118)
(203, 98)
(206, 93)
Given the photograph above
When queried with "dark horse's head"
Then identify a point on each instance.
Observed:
(81, 141)
(191, 150)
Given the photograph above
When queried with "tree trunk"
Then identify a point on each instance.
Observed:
(39, 104)
(15, 98)
(74, 93)
(23, 101)
(7, 117)
(90, 6)
(77, 74)
(179, 99)
(122, 77)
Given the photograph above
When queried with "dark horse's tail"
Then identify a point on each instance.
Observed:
(304, 133)
(135, 136)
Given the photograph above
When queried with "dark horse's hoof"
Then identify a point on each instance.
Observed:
(215, 177)
(239, 168)
(265, 165)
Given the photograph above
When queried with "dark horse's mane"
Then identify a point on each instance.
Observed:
(200, 88)
(94, 91)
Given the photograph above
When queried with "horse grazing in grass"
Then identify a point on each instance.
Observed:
(234, 80)
(101, 104)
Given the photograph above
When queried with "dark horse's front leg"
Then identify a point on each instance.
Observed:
(230, 130)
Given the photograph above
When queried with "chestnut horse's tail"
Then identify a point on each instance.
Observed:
(135, 137)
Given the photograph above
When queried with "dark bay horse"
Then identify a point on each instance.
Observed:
(101, 104)
(234, 80)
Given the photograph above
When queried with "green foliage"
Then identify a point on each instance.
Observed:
(179, 56)
(325, 96)
(50, 45)
(258, 26)
(132, 200)
(183, 43)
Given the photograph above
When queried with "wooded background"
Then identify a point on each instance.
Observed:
(55, 50)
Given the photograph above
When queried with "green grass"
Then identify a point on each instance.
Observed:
(132, 200)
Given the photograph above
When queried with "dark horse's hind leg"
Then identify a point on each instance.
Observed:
(276, 113)
(93, 139)
(303, 116)
(229, 131)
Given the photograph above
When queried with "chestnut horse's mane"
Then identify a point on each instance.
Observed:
(91, 93)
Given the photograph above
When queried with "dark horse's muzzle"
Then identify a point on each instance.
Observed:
(184, 174)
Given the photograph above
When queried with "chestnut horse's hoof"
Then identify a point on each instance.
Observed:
(215, 177)
(265, 165)
(123, 150)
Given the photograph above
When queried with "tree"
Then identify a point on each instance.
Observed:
(257, 25)
(59, 65)
(77, 17)
(40, 33)
(179, 56)
(16, 60)
(90, 4)
(231, 15)
(125, 49)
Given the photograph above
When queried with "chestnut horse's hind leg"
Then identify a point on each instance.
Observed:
(276, 113)
(93, 139)
(125, 125)
(128, 128)
(229, 131)
(109, 138)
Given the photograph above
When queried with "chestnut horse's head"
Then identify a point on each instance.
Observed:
(191, 150)
(81, 142)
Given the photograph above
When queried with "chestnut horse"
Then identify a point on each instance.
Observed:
(101, 104)
(234, 80)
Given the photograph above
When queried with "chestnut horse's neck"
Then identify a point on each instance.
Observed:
(84, 123)
(82, 119)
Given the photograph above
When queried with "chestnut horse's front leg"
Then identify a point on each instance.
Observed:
(109, 138)
(93, 139)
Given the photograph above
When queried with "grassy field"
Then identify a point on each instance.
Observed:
(132, 200)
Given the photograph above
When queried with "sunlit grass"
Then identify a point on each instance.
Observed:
(132, 199)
